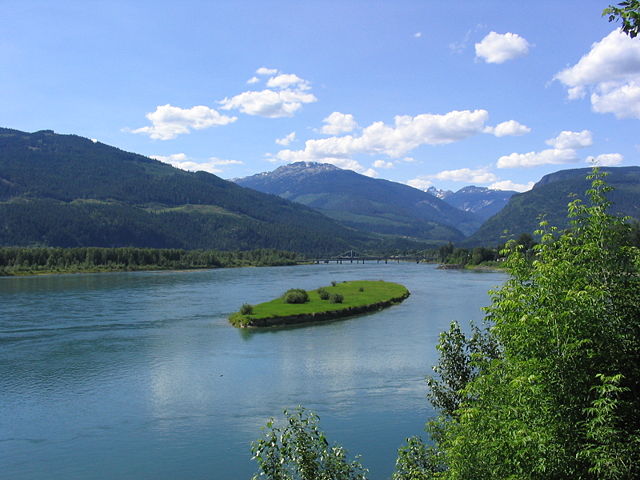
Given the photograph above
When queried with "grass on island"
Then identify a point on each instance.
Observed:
(354, 294)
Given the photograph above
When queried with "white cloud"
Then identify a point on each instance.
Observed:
(498, 47)
(286, 95)
(168, 121)
(417, 35)
(606, 159)
(180, 160)
(94, 140)
(269, 103)
(408, 159)
(421, 183)
(286, 140)
(551, 156)
(568, 139)
(338, 123)
(467, 175)
(509, 185)
(370, 172)
(508, 128)
(287, 80)
(395, 141)
(623, 102)
(253, 80)
(383, 164)
(266, 71)
(611, 72)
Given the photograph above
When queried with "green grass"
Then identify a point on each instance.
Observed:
(359, 293)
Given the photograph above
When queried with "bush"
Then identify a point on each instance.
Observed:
(246, 309)
(296, 295)
(335, 298)
(323, 293)
(361, 289)
(334, 283)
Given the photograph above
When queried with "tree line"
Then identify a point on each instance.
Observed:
(20, 260)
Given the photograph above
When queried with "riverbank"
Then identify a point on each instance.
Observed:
(22, 261)
(357, 297)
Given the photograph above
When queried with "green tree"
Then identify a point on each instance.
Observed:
(629, 13)
(561, 398)
(301, 451)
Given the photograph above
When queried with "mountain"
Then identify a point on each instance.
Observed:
(550, 196)
(65, 190)
(365, 203)
(441, 194)
(482, 201)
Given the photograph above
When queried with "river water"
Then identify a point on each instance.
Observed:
(139, 375)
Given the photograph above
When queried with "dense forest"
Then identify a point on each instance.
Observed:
(19, 260)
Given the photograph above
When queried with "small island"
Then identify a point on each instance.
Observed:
(339, 300)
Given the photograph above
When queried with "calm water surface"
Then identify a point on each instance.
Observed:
(139, 375)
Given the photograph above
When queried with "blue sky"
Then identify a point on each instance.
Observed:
(443, 93)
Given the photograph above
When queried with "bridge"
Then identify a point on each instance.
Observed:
(352, 256)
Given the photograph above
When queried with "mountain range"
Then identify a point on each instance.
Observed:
(65, 190)
(365, 203)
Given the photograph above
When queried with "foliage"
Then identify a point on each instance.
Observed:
(417, 461)
(558, 397)
(20, 260)
(300, 451)
(628, 12)
(296, 295)
(246, 309)
(336, 298)
(323, 293)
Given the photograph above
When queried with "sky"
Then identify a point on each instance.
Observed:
(427, 93)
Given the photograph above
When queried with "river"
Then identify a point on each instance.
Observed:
(139, 375)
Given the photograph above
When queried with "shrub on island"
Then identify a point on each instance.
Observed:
(336, 298)
(296, 295)
(323, 294)
(246, 309)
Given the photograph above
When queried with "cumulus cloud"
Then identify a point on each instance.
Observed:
(421, 183)
(509, 185)
(338, 123)
(467, 175)
(501, 47)
(383, 164)
(551, 156)
(168, 122)
(394, 141)
(370, 172)
(606, 159)
(568, 139)
(286, 140)
(253, 80)
(266, 71)
(181, 161)
(417, 35)
(610, 71)
(508, 128)
(287, 80)
(285, 96)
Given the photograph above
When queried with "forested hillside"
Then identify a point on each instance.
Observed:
(365, 203)
(68, 191)
(549, 198)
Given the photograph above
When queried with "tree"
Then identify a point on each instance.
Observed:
(561, 398)
(301, 451)
(629, 13)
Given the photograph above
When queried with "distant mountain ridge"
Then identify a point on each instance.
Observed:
(373, 205)
(65, 190)
(482, 201)
(549, 198)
